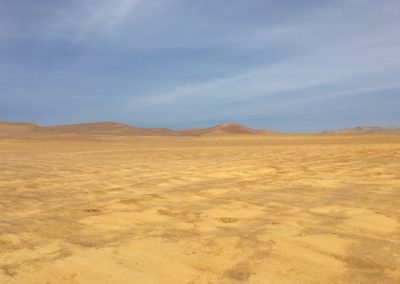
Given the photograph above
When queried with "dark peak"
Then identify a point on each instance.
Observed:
(230, 125)
(235, 128)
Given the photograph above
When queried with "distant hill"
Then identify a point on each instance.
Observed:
(365, 130)
(8, 129)
(15, 128)
(99, 129)
(107, 128)
(224, 129)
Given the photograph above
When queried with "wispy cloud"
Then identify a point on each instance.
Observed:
(332, 65)
(69, 20)
(104, 16)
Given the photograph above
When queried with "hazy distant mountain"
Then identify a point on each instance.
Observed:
(99, 129)
(365, 130)
(116, 129)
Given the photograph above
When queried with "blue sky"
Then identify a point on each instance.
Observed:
(287, 65)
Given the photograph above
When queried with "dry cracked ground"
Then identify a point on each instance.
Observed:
(254, 209)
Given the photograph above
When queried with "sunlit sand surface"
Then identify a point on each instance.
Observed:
(235, 209)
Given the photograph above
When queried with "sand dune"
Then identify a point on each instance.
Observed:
(211, 209)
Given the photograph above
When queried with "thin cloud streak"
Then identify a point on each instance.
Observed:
(312, 70)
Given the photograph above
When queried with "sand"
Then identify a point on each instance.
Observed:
(235, 209)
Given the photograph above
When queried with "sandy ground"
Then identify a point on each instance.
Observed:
(283, 209)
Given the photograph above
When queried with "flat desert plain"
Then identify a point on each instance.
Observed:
(232, 209)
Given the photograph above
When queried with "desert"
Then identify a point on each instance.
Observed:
(200, 142)
(222, 208)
